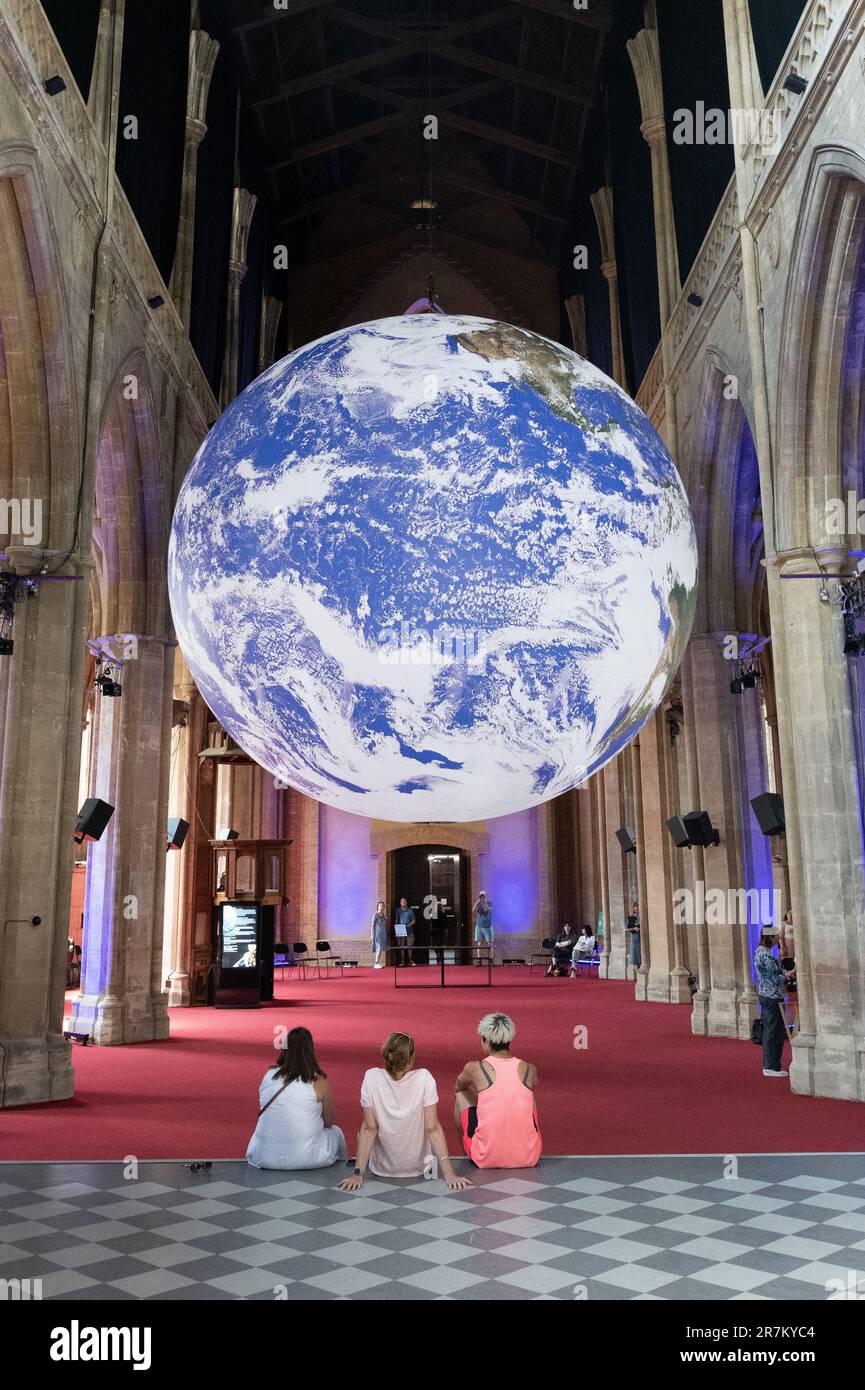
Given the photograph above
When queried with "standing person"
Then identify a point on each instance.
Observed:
(787, 952)
(632, 931)
(483, 923)
(378, 932)
(404, 929)
(295, 1127)
(495, 1108)
(771, 988)
(400, 1127)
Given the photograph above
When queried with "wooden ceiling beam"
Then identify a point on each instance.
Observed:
(441, 47)
(514, 142)
(402, 45)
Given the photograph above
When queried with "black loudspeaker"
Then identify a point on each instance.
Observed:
(92, 819)
(177, 830)
(679, 832)
(700, 829)
(769, 810)
(626, 839)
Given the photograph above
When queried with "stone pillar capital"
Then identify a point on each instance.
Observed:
(195, 132)
(271, 312)
(122, 648)
(602, 206)
(654, 130)
(202, 56)
(241, 221)
(645, 54)
(799, 561)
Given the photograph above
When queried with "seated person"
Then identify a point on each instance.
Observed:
(562, 950)
(495, 1108)
(295, 1126)
(400, 1127)
(584, 948)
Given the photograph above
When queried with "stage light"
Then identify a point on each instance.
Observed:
(54, 85)
(105, 680)
(795, 84)
(155, 301)
(736, 686)
(696, 300)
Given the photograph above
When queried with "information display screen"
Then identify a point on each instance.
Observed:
(239, 932)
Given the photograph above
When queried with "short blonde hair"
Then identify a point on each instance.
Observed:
(497, 1029)
(397, 1052)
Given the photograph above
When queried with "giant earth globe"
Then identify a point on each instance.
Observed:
(432, 568)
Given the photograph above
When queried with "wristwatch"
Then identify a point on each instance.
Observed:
(358, 1173)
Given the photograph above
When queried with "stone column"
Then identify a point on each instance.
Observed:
(821, 804)
(241, 221)
(586, 821)
(122, 997)
(611, 805)
(104, 93)
(547, 906)
(718, 780)
(576, 309)
(271, 313)
(645, 54)
(303, 830)
(667, 980)
(202, 56)
(602, 205)
(696, 872)
(180, 914)
(641, 972)
(41, 720)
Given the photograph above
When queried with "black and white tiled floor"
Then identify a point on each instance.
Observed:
(617, 1228)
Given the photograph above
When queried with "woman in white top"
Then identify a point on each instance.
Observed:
(295, 1123)
(584, 948)
(400, 1130)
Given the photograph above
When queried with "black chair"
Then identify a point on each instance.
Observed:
(545, 955)
(325, 954)
(281, 957)
(300, 959)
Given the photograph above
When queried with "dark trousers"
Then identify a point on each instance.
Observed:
(774, 1032)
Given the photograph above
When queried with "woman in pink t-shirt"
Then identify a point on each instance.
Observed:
(400, 1130)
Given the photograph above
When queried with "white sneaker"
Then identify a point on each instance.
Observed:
(378, 966)
(766, 1072)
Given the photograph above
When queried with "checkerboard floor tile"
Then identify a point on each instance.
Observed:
(617, 1228)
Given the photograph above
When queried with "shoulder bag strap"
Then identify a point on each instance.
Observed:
(274, 1097)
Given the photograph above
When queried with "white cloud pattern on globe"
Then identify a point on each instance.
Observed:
(433, 568)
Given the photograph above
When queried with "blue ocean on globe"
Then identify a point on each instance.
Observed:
(433, 568)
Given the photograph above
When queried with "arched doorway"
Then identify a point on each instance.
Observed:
(435, 879)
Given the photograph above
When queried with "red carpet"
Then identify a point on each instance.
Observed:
(644, 1084)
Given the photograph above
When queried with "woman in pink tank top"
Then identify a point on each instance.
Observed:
(495, 1104)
